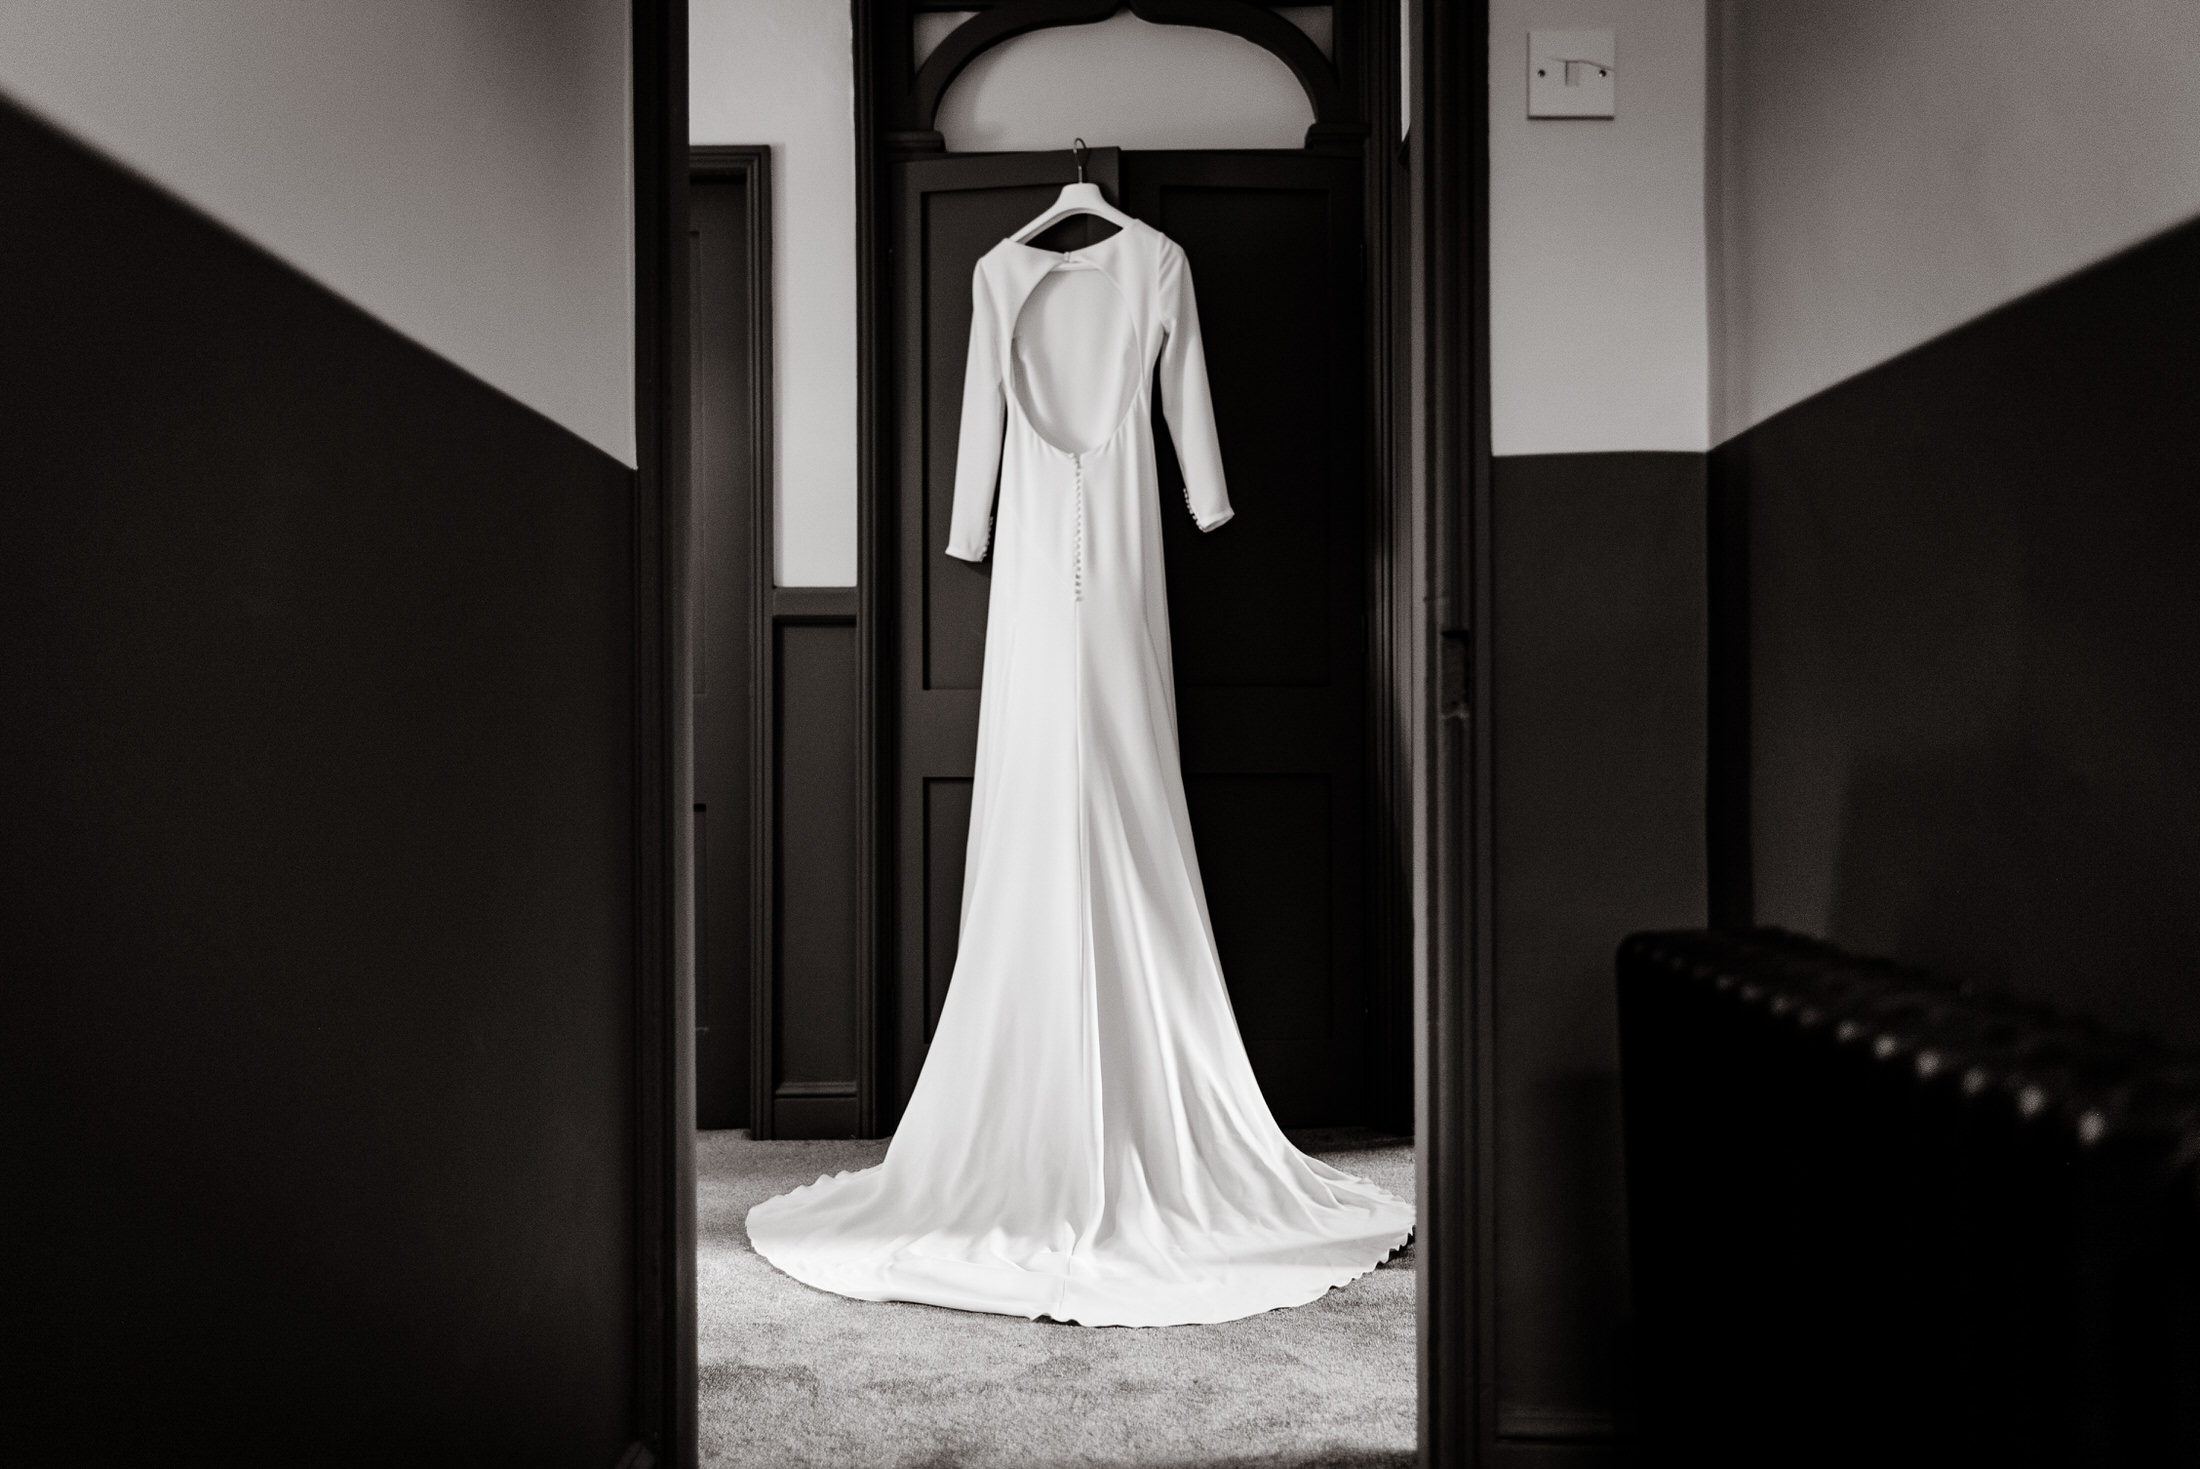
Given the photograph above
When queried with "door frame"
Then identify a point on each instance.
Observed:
(1429, 623)
(665, 1384)
(1449, 474)
(750, 163)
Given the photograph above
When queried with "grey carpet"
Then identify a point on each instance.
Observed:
(793, 1377)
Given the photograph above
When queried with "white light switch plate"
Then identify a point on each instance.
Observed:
(1570, 74)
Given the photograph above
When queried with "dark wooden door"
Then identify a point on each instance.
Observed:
(722, 287)
(1266, 614)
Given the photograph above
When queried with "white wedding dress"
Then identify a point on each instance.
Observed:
(1086, 1141)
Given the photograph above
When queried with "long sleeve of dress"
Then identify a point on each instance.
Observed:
(1185, 400)
(978, 453)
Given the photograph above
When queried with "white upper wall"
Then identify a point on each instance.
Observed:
(1893, 168)
(460, 170)
(782, 72)
(1598, 336)
(1125, 83)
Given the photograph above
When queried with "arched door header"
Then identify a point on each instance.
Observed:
(1263, 27)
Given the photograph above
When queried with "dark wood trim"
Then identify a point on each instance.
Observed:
(751, 164)
(1372, 35)
(1469, 115)
(912, 111)
(665, 1386)
(1449, 183)
(877, 56)
(967, 41)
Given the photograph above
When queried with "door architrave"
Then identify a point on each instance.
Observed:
(665, 1381)
(750, 165)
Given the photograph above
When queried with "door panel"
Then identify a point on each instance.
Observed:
(815, 1046)
(1264, 845)
(1258, 612)
(1266, 614)
(946, 845)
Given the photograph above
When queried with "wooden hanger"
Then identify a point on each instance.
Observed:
(1077, 198)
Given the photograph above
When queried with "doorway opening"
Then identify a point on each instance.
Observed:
(831, 802)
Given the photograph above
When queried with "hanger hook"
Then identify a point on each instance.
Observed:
(1077, 151)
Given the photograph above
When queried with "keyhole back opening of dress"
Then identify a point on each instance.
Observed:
(1074, 359)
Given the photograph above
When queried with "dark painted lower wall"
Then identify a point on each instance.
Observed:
(1961, 634)
(316, 941)
(1598, 727)
(812, 1072)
